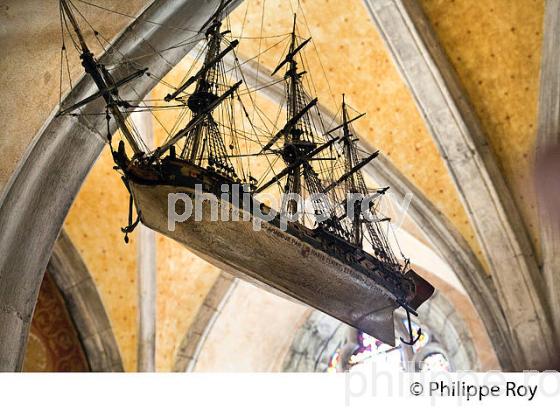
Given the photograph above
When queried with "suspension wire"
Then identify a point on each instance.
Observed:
(284, 38)
(96, 34)
(259, 53)
(243, 21)
(157, 52)
(183, 43)
(62, 52)
(137, 17)
(76, 46)
(300, 7)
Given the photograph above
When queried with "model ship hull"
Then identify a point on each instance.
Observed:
(276, 259)
(324, 267)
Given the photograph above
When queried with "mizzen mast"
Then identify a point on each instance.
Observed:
(354, 184)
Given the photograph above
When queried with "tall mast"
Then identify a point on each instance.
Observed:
(292, 74)
(297, 133)
(350, 183)
(205, 92)
(101, 78)
(204, 143)
(293, 184)
(300, 145)
(354, 183)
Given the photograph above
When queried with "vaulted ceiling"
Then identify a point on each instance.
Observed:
(493, 48)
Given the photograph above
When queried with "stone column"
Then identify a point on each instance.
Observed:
(147, 285)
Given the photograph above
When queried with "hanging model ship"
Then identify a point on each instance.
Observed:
(319, 256)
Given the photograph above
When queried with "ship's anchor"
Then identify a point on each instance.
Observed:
(131, 225)
(412, 340)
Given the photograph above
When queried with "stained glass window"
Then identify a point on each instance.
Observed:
(373, 351)
(333, 363)
(435, 362)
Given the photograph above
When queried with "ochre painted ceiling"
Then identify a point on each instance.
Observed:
(30, 66)
(349, 56)
(183, 280)
(493, 45)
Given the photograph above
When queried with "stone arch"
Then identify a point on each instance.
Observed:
(445, 238)
(85, 306)
(35, 202)
(321, 335)
(447, 242)
(193, 342)
(33, 205)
